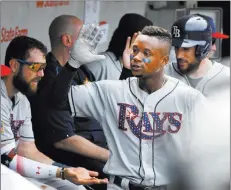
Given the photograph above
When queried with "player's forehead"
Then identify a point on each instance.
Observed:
(147, 42)
(36, 55)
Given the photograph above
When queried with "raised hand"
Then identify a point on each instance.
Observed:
(83, 176)
(82, 50)
(127, 51)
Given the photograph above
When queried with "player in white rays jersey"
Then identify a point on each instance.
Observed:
(194, 39)
(147, 120)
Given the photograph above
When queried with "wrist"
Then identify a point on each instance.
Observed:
(74, 63)
(105, 155)
(58, 173)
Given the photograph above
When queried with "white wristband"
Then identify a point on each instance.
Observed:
(31, 168)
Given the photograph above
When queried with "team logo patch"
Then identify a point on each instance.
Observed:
(148, 125)
(176, 31)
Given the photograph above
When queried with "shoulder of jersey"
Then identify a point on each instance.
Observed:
(23, 99)
(182, 86)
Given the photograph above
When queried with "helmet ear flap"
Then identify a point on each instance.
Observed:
(202, 51)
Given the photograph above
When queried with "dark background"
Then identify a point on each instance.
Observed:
(225, 5)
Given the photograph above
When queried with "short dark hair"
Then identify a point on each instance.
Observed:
(60, 25)
(20, 46)
(159, 33)
(128, 25)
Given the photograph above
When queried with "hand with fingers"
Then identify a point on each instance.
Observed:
(82, 50)
(82, 176)
(128, 50)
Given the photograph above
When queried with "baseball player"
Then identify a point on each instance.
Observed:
(111, 67)
(192, 39)
(146, 120)
(25, 57)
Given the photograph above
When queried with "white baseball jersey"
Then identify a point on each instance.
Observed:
(144, 141)
(15, 120)
(106, 69)
(217, 78)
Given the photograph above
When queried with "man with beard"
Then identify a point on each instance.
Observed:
(193, 39)
(25, 57)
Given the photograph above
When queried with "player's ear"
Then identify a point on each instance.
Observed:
(14, 65)
(165, 60)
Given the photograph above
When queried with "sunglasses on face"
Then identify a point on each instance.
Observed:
(34, 66)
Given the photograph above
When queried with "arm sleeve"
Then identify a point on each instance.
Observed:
(126, 73)
(88, 100)
(55, 88)
(97, 69)
(26, 131)
(7, 136)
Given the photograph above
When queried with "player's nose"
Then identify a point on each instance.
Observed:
(40, 73)
(179, 53)
(138, 57)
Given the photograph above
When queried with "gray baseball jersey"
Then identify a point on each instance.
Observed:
(217, 78)
(107, 69)
(15, 120)
(145, 141)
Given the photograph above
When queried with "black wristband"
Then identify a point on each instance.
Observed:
(62, 174)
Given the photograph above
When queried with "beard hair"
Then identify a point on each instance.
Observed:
(21, 85)
(191, 67)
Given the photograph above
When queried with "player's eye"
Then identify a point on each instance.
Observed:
(147, 53)
(135, 50)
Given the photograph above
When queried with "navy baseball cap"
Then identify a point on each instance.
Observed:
(191, 30)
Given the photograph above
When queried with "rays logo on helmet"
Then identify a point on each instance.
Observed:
(176, 31)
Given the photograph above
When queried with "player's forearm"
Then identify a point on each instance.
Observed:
(33, 169)
(84, 147)
(30, 151)
(39, 157)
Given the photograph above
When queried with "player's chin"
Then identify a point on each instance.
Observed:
(33, 89)
(137, 73)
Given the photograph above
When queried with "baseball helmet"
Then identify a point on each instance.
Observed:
(193, 30)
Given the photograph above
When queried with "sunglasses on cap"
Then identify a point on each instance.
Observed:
(34, 66)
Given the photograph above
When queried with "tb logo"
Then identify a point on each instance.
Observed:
(176, 31)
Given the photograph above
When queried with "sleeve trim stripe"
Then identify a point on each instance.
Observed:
(7, 140)
(27, 137)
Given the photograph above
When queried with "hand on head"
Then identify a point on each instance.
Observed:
(128, 50)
